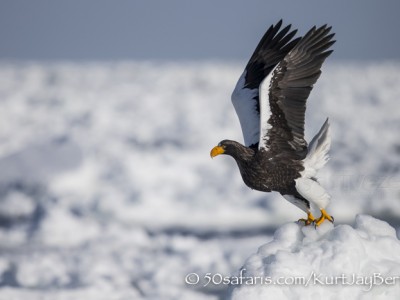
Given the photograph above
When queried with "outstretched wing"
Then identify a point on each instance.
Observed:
(284, 93)
(271, 49)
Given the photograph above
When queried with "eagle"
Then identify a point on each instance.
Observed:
(270, 100)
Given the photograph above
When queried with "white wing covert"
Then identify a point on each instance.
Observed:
(272, 48)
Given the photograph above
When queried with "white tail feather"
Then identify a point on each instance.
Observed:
(318, 149)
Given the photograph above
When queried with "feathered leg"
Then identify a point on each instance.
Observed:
(312, 191)
(304, 205)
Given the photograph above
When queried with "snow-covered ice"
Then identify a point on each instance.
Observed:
(107, 190)
(339, 262)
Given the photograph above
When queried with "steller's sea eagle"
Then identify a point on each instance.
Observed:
(270, 100)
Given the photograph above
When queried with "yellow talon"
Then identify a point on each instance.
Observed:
(324, 216)
(310, 219)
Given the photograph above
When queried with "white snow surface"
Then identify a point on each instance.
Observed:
(107, 190)
(339, 262)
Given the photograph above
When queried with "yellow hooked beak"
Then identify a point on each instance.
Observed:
(217, 150)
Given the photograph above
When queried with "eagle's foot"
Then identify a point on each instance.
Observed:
(324, 216)
(310, 219)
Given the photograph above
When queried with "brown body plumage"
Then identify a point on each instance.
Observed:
(260, 170)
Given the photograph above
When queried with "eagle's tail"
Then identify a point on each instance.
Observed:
(318, 149)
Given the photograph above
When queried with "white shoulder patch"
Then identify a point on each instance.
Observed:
(265, 109)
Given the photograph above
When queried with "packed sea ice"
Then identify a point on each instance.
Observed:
(107, 190)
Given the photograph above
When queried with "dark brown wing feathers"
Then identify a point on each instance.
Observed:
(291, 85)
(271, 49)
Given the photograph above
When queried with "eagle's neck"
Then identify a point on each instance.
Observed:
(241, 153)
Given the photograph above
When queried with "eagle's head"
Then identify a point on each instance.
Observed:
(232, 148)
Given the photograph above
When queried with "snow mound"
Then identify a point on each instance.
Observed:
(342, 262)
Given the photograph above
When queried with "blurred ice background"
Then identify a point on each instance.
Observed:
(107, 190)
(107, 185)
